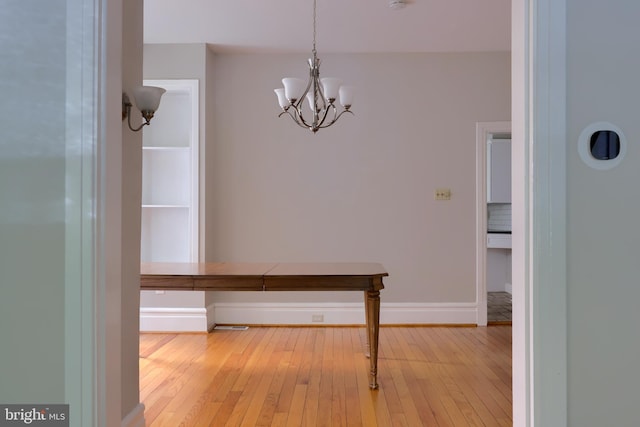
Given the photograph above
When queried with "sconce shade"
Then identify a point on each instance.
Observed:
(147, 100)
(148, 97)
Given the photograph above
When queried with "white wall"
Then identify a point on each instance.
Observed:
(361, 190)
(603, 208)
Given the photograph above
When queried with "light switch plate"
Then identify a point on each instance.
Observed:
(443, 194)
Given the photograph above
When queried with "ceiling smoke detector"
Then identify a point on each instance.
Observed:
(397, 4)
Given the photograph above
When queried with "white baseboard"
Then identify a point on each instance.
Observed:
(508, 288)
(135, 418)
(173, 319)
(343, 313)
(429, 313)
(289, 313)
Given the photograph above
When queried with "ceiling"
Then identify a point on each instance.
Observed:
(343, 26)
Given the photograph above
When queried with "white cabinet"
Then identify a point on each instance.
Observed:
(499, 171)
(170, 176)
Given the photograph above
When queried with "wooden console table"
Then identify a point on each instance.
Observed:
(217, 276)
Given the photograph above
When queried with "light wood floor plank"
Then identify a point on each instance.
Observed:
(310, 414)
(294, 415)
(296, 376)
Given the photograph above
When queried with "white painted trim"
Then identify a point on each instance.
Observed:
(548, 210)
(429, 313)
(288, 313)
(86, 310)
(520, 81)
(343, 313)
(173, 319)
(211, 316)
(135, 418)
(483, 131)
(539, 210)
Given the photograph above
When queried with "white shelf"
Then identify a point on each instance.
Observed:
(160, 148)
(167, 206)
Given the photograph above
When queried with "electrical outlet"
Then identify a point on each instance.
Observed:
(317, 318)
(443, 194)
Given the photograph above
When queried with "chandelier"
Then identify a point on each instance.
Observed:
(321, 95)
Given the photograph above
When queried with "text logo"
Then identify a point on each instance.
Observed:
(34, 415)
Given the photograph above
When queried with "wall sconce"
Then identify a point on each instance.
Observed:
(147, 100)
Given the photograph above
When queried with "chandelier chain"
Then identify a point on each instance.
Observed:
(314, 26)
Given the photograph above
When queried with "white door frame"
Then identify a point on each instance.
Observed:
(92, 296)
(483, 131)
(539, 143)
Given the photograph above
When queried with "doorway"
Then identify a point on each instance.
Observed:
(499, 243)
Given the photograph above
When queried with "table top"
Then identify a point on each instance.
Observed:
(262, 269)
(262, 276)
(258, 269)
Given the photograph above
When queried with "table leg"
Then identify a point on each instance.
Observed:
(367, 349)
(372, 311)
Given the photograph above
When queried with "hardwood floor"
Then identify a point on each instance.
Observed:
(293, 376)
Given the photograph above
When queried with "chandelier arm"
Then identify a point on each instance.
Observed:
(297, 118)
(300, 123)
(298, 104)
(326, 113)
(323, 100)
(336, 118)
